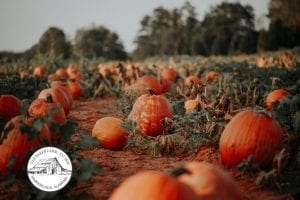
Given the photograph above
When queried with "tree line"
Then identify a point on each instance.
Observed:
(228, 28)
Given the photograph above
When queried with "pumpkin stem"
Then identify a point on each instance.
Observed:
(178, 171)
(49, 98)
(151, 91)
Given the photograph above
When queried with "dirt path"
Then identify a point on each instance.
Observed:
(117, 165)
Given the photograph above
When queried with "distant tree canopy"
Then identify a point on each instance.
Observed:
(227, 28)
(284, 29)
(53, 43)
(98, 42)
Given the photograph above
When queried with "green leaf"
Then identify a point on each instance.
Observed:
(86, 141)
(178, 107)
(85, 169)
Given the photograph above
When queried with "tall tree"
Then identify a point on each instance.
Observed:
(287, 11)
(98, 42)
(53, 43)
(225, 25)
(284, 29)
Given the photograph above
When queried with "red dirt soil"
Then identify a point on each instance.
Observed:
(118, 165)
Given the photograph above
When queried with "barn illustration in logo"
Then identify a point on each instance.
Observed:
(49, 167)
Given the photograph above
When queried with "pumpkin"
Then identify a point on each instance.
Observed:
(23, 74)
(148, 111)
(209, 181)
(10, 106)
(62, 72)
(71, 69)
(110, 134)
(39, 71)
(53, 77)
(59, 96)
(17, 143)
(43, 107)
(190, 80)
(165, 85)
(211, 75)
(168, 73)
(250, 133)
(75, 88)
(78, 76)
(274, 96)
(147, 81)
(63, 86)
(151, 185)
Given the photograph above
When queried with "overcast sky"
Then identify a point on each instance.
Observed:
(22, 22)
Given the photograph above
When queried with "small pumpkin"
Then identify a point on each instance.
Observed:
(165, 85)
(151, 185)
(18, 143)
(75, 88)
(148, 111)
(62, 72)
(147, 81)
(168, 73)
(274, 96)
(250, 133)
(211, 75)
(208, 181)
(192, 80)
(10, 106)
(110, 134)
(39, 71)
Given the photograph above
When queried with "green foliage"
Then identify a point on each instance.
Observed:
(98, 42)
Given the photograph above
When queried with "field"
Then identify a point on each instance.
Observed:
(200, 113)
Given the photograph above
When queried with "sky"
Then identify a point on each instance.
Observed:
(22, 22)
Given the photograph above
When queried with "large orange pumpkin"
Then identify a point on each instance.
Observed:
(209, 181)
(253, 134)
(274, 96)
(65, 87)
(17, 143)
(59, 96)
(43, 107)
(110, 134)
(151, 185)
(148, 111)
(10, 106)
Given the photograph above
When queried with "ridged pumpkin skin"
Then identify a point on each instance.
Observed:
(58, 95)
(274, 96)
(150, 185)
(41, 108)
(17, 144)
(147, 112)
(10, 106)
(210, 182)
(188, 81)
(110, 134)
(250, 133)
